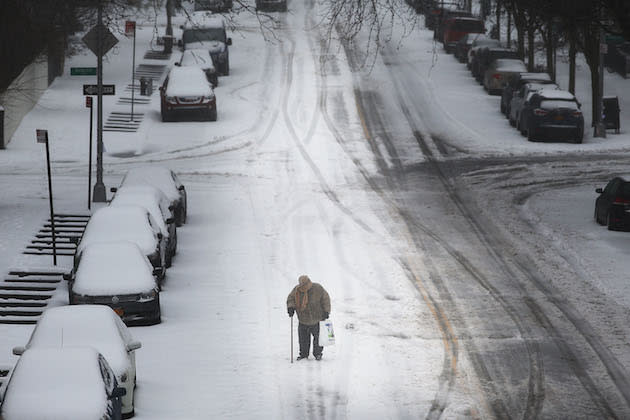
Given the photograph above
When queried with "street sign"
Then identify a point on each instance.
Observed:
(93, 90)
(82, 71)
(42, 136)
(130, 28)
(88, 102)
(91, 39)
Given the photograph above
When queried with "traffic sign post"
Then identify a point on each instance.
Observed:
(88, 104)
(93, 90)
(42, 137)
(130, 30)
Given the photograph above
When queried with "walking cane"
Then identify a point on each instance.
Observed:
(291, 339)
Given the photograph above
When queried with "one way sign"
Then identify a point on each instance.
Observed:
(93, 89)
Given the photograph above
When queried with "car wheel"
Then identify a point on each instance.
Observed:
(595, 216)
(530, 134)
(168, 261)
(512, 122)
(502, 108)
(212, 115)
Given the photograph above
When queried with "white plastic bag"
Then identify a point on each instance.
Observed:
(326, 333)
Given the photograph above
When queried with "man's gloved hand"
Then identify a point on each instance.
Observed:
(325, 316)
(291, 311)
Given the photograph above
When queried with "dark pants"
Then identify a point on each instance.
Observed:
(304, 334)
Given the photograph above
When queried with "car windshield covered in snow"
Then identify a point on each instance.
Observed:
(197, 57)
(157, 176)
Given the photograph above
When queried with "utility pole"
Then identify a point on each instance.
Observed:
(99, 195)
(600, 127)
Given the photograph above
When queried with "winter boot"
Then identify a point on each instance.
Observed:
(318, 357)
(301, 357)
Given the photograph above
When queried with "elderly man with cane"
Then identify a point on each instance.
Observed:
(312, 304)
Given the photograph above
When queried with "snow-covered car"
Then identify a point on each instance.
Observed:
(500, 72)
(552, 114)
(127, 286)
(200, 58)
(519, 98)
(166, 181)
(94, 326)
(126, 223)
(158, 205)
(207, 31)
(271, 5)
(612, 206)
(515, 85)
(485, 56)
(481, 42)
(463, 46)
(62, 383)
(187, 90)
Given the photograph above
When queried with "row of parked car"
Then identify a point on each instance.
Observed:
(80, 360)
(531, 102)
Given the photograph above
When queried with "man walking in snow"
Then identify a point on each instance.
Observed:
(312, 304)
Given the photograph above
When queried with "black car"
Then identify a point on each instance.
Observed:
(612, 206)
(485, 56)
(552, 114)
(515, 85)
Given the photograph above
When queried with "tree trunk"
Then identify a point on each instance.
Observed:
(509, 29)
(531, 48)
(498, 26)
(572, 53)
(549, 46)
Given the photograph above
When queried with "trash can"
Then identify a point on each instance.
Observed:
(611, 113)
(146, 86)
(168, 43)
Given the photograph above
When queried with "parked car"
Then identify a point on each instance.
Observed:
(217, 6)
(456, 28)
(519, 98)
(515, 85)
(480, 42)
(485, 56)
(164, 180)
(200, 58)
(271, 5)
(552, 114)
(118, 275)
(126, 223)
(612, 206)
(204, 30)
(62, 383)
(186, 89)
(463, 46)
(436, 12)
(158, 205)
(500, 72)
(94, 326)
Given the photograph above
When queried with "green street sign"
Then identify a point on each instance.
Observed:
(82, 71)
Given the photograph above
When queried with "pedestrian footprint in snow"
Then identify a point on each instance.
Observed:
(312, 303)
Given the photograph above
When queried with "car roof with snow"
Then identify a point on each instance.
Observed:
(146, 196)
(113, 268)
(558, 94)
(508, 64)
(55, 384)
(535, 76)
(96, 326)
(188, 81)
(199, 57)
(204, 19)
(121, 223)
(158, 176)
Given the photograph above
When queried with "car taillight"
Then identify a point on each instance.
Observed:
(497, 76)
(577, 113)
(621, 200)
(540, 112)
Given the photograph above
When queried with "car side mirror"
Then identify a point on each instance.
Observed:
(181, 188)
(118, 392)
(170, 220)
(113, 189)
(160, 236)
(67, 276)
(19, 350)
(178, 64)
(158, 272)
(134, 345)
(4, 371)
(599, 190)
(229, 41)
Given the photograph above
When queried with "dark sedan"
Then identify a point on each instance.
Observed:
(515, 85)
(612, 206)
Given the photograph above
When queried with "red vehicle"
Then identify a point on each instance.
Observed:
(455, 28)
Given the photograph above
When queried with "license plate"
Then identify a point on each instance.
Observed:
(559, 117)
(119, 311)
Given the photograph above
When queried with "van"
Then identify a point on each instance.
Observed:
(207, 31)
(455, 28)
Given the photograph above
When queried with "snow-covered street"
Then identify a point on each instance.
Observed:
(466, 274)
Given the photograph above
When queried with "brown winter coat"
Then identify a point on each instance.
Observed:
(318, 303)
